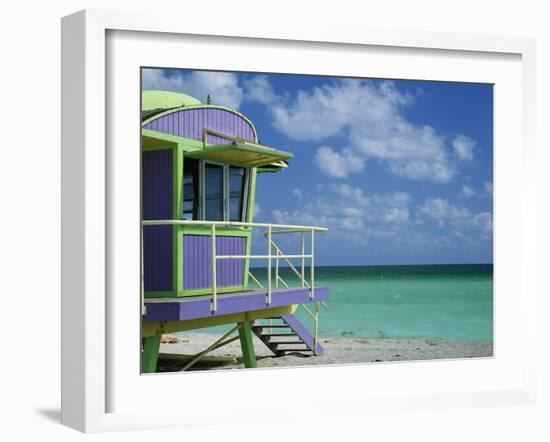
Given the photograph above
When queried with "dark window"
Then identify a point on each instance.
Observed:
(236, 192)
(213, 192)
(191, 189)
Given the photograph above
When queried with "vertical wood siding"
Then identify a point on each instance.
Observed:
(157, 204)
(189, 123)
(197, 262)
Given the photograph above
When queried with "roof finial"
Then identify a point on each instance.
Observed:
(208, 99)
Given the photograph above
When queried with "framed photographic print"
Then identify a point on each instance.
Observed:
(405, 281)
(291, 211)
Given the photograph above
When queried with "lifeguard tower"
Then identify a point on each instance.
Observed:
(200, 166)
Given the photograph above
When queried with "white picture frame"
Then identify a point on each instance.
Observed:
(88, 229)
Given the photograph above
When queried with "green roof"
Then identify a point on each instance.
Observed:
(162, 100)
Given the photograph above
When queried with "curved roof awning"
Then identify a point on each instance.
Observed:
(243, 154)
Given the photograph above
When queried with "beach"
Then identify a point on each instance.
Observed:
(337, 351)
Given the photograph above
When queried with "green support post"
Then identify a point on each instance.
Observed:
(247, 346)
(150, 355)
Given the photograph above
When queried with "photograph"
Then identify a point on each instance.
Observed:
(298, 220)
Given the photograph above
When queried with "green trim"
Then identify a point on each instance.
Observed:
(223, 231)
(229, 154)
(251, 201)
(190, 145)
(152, 100)
(207, 291)
(181, 271)
(254, 148)
(150, 354)
(252, 197)
(172, 139)
(202, 106)
(164, 146)
(177, 249)
(241, 232)
(247, 346)
(164, 294)
(178, 182)
(177, 243)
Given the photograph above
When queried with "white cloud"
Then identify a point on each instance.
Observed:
(485, 222)
(328, 109)
(223, 87)
(369, 115)
(441, 209)
(298, 193)
(348, 212)
(464, 147)
(338, 164)
(469, 192)
(354, 194)
(439, 172)
(155, 79)
(475, 227)
(257, 209)
(462, 223)
(259, 89)
(279, 217)
(360, 218)
(397, 199)
(396, 215)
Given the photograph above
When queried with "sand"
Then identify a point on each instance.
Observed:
(337, 351)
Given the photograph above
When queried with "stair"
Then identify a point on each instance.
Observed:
(276, 342)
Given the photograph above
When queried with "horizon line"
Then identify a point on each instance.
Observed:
(380, 265)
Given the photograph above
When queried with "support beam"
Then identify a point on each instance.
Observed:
(247, 346)
(149, 357)
(219, 343)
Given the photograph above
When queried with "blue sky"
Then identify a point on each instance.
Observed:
(400, 171)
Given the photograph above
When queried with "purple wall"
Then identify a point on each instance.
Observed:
(189, 123)
(156, 169)
(157, 204)
(157, 258)
(197, 261)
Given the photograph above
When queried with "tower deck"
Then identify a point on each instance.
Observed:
(199, 307)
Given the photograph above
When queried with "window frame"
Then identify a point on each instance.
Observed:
(197, 199)
(225, 193)
(202, 189)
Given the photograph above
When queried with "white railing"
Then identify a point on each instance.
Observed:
(270, 231)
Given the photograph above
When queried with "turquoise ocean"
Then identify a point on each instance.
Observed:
(428, 302)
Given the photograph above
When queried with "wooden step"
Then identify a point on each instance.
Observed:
(303, 333)
(271, 326)
(297, 331)
(288, 350)
(286, 342)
